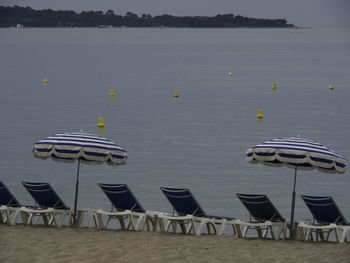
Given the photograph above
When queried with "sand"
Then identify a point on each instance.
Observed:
(46, 244)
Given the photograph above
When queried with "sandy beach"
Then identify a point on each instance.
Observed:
(43, 244)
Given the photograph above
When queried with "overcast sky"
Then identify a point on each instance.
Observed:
(317, 13)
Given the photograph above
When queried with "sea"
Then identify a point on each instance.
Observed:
(196, 141)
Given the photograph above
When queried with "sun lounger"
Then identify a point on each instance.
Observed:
(190, 213)
(129, 212)
(264, 216)
(9, 206)
(46, 198)
(11, 209)
(327, 219)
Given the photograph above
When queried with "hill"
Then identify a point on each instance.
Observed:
(28, 17)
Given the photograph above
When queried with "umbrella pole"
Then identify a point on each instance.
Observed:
(292, 230)
(76, 197)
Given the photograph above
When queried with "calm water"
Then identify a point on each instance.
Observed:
(196, 141)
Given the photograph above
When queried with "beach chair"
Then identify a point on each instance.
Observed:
(11, 209)
(327, 219)
(190, 213)
(264, 216)
(46, 198)
(9, 206)
(129, 212)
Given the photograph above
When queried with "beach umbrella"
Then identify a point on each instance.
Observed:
(82, 147)
(299, 154)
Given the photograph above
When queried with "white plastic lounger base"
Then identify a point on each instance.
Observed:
(89, 215)
(31, 216)
(195, 224)
(60, 214)
(220, 224)
(9, 215)
(344, 231)
(128, 215)
(167, 221)
(3, 217)
(306, 230)
(153, 217)
(263, 228)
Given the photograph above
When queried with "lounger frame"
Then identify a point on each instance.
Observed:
(327, 219)
(191, 217)
(264, 217)
(129, 212)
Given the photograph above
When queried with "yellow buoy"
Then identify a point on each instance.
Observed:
(260, 114)
(331, 87)
(176, 95)
(100, 122)
(230, 73)
(274, 85)
(111, 93)
(45, 81)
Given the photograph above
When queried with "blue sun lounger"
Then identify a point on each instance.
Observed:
(128, 209)
(190, 212)
(46, 198)
(327, 218)
(9, 206)
(264, 216)
(11, 209)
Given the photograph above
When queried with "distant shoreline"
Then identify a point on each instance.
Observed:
(27, 17)
(130, 27)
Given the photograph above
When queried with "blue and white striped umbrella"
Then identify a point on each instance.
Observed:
(303, 153)
(88, 148)
(81, 147)
(297, 153)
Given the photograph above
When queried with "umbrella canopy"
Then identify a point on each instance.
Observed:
(297, 153)
(88, 148)
(81, 147)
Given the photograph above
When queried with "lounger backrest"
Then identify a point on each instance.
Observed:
(260, 207)
(121, 197)
(44, 195)
(6, 197)
(183, 201)
(324, 209)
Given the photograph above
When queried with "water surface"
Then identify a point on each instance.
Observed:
(196, 141)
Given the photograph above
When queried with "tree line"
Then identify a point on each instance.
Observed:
(11, 16)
